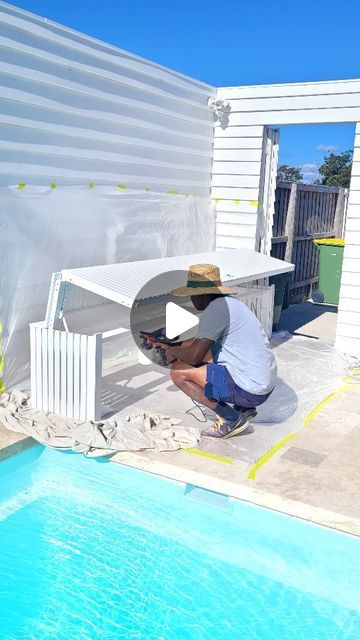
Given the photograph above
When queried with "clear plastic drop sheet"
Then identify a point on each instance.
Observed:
(309, 370)
(44, 230)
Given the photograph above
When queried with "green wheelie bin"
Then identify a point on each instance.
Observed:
(330, 267)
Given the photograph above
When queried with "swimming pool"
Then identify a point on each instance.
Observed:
(93, 550)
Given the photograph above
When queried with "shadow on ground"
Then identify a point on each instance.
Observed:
(310, 320)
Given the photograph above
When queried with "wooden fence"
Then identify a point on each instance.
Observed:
(304, 212)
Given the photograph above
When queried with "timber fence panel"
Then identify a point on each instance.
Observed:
(304, 212)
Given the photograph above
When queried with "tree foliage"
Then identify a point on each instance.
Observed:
(289, 174)
(336, 170)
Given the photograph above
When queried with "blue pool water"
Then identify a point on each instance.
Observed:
(94, 550)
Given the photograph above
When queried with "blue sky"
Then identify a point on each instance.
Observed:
(234, 42)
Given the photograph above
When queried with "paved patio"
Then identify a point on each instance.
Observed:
(311, 472)
(312, 320)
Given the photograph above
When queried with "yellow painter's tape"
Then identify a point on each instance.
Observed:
(324, 402)
(254, 469)
(206, 454)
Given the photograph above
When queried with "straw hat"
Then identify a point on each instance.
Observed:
(203, 279)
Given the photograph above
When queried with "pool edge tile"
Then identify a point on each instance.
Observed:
(287, 506)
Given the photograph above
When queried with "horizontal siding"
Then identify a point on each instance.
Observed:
(236, 155)
(349, 330)
(349, 304)
(234, 194)
(237, 181)
(235, 242)
(352, 224)
(348, 324)
(235, 184)
(327, 87)
(238, 132)
(295, 103)
(299, 116)
(234, 229)
(348, 345)
(352, 237)
(238, 144)
(350, 317)
(351, 265)
(351, 278)
(237, 168)
(73, 109)
(236, 207)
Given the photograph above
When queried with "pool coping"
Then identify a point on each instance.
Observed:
(19, 444)
(237, 490)
(244, 492)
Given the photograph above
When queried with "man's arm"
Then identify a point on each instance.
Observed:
(192, 352)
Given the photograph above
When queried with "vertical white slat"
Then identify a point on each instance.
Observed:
(57, 372)
(83, 376)
(44, 358)
(50, 370)
(33, 377)
(70, 375)
(261, 302)
(63, 373)
(268, 196)
(94, 361)
(77, 373)
(38, 361)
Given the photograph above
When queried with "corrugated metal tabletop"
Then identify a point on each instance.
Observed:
(122, 282)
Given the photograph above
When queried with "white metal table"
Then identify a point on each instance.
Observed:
(66, 366)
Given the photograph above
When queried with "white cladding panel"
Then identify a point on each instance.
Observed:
(348, 324)
(252, 109)
(296, 103)
(73, 109)
(238, 155)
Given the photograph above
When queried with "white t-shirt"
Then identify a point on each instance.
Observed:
(240, 344)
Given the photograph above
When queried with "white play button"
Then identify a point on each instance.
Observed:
(178, 320)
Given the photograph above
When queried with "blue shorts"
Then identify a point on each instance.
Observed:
(221, 387)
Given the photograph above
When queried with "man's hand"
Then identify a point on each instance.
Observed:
(171, 357)
(171, 354)
(193, 352)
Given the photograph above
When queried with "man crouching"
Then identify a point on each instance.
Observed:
(229, 366)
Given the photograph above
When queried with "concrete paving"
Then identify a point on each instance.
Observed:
(312, 475)
(311, 320)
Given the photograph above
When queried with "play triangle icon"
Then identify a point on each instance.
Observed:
(178, 320)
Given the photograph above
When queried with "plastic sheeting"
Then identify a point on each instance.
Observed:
(43, 230)
(309, 370)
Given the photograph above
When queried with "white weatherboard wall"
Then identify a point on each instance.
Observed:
(238, 156)
(74, 110)
(101, 153)
(237, 170)
(348, 324)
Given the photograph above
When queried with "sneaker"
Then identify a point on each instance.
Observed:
(249, 413)
(226, 428)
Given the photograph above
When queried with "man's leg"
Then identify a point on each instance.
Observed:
(192, 381)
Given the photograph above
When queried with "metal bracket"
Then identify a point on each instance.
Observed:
(56, 300)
